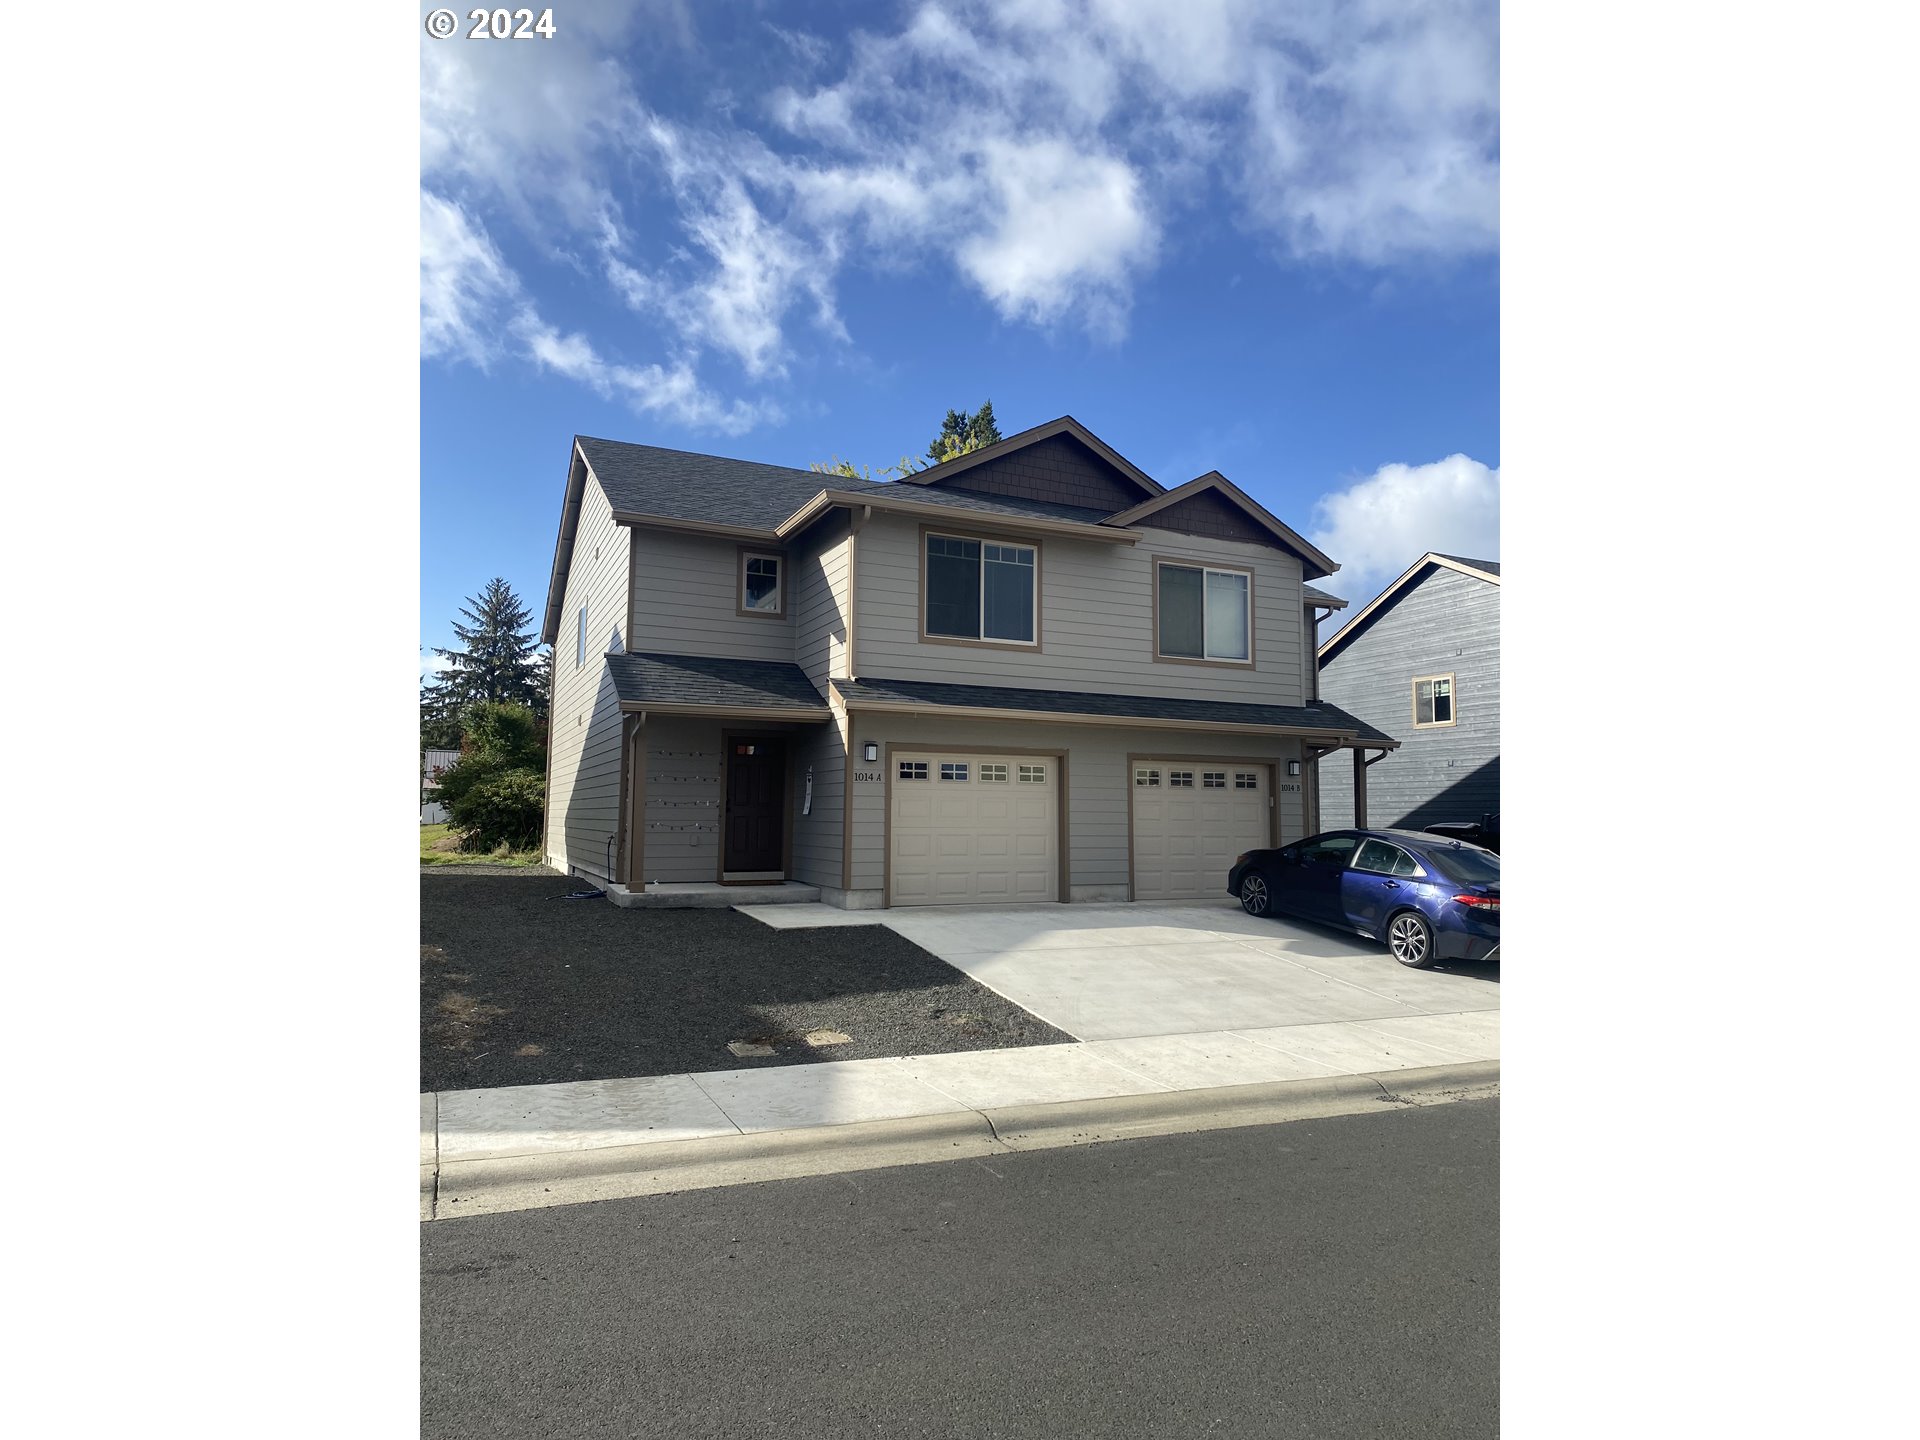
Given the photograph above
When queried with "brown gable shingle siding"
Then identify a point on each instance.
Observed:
(1059, 470)
(1208, 514)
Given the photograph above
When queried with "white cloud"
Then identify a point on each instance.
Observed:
(463, 283)
(1069, 232)
(1379, 526)
(1041, 149)
(674, 391)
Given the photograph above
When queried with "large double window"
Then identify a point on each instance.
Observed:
(1204, 613)
(984, 590)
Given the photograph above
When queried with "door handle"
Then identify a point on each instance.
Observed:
(1393, 884)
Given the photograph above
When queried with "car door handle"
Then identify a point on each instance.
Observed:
(1393, 884)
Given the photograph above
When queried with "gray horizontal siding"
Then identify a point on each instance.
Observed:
(583, 794)
(823, 608)
(1447, 623)
(1096, 620)
(686, 596)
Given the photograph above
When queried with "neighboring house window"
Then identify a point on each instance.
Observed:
(762, 587)
(913, 769)
(981, 590)
(1205, 614)
(1433, 700)
(580, 656)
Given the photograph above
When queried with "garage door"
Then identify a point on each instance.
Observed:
(1190, 818)
(974, 829)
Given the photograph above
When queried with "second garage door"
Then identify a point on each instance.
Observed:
(973, 829)
(1190, 818)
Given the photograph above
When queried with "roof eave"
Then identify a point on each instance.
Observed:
(577, 472)
(1213, 480)
(1390, 596)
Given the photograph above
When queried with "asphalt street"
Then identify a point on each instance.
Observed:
(1322, 1279)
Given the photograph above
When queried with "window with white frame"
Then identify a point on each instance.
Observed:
(762, 591)
(1432, 701)
(993, 774)
(1213, 779)
(1146, 777)
(1180, 779)
(981, 590)
(953, 770)
(913, 769)
(1246, 780)
(1205, 614)
(1033, 774)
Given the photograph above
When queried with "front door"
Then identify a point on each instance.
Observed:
(754, 833)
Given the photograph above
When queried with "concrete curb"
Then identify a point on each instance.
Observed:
(572, 1177)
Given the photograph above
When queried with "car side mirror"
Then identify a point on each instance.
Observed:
(1290, 856)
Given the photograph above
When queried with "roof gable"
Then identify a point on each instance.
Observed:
(1061, 462)
(1363, 619)
(1211, 504)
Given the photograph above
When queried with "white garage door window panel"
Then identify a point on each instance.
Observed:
(976, 841)
(1185, 837)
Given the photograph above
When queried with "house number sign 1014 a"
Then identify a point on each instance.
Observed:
(867, 777)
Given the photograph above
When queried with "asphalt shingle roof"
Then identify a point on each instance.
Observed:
(714, 680)
(681, 485)
(1309, 593)
(1317, 716)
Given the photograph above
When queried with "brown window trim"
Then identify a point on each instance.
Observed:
(988, 537)
(1253, 649)
(1453, 700)
(744, 553)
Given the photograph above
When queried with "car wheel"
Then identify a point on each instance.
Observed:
(1254, 897)
(1410, 938)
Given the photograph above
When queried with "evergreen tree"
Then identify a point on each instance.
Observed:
(497, 662)
(961, 433)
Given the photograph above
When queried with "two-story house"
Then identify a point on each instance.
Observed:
(1033, 673)
(1424, 657)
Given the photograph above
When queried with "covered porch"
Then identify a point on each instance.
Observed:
(718, 761)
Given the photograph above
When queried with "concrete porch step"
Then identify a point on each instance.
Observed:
(709, 895)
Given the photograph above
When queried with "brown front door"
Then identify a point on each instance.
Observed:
(756, 805)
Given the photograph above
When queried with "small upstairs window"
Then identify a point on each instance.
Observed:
(580, 655)
(1432, 701)
(763, 588)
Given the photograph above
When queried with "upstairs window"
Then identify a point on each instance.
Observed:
(762, 585)
(981, 590)
(1432, 701)
(580, 655)
(1204, 614)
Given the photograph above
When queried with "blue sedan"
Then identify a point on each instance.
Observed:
(1427, 897)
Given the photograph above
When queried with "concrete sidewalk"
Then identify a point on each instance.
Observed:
(488, 1150)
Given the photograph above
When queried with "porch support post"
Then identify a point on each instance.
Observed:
(1359, 788)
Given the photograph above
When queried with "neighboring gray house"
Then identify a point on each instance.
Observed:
(1423, 660)
(432, 763)
(1033, 673)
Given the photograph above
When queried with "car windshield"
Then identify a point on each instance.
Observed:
(1465, 866)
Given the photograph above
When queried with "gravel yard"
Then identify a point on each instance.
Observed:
(521, 987)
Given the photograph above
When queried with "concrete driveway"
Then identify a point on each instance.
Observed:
(1116, 972)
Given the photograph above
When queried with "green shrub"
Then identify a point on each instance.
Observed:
(499, 807)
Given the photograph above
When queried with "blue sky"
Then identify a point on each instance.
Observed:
(1255, 237)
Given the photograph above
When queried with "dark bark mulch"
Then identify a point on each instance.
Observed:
(521, 987)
